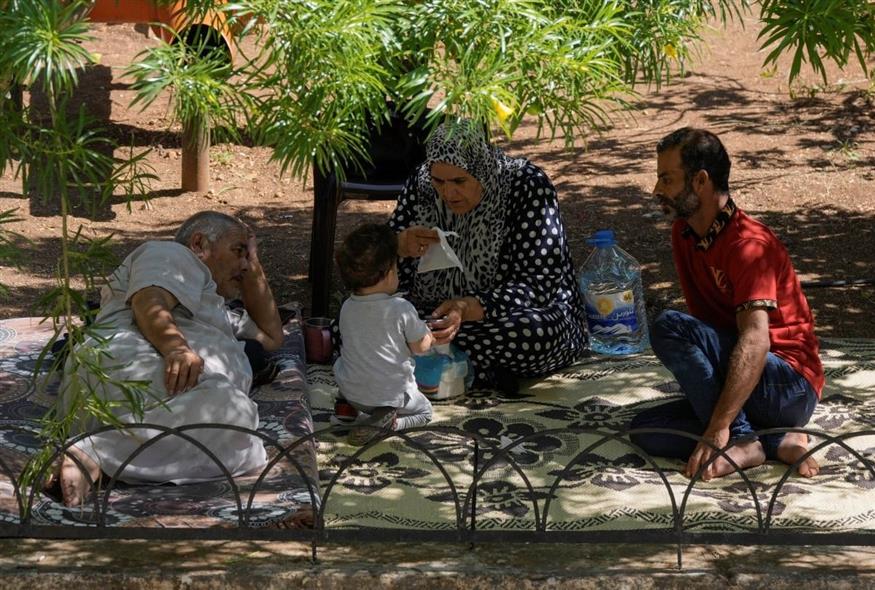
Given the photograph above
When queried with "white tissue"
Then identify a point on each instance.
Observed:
(440, 255)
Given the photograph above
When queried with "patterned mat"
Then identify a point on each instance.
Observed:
(282, 498)
(612, 487)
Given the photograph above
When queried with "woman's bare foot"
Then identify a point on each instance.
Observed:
(75, 485)
(792, 447)
(744, 454)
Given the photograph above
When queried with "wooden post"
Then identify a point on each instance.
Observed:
(196, 155)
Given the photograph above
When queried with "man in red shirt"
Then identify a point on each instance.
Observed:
(745, 356)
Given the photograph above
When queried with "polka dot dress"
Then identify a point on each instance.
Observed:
(534, 322)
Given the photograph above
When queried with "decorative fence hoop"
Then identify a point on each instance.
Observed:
(465, 530)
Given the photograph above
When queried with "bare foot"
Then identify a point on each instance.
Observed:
(303, 518)
(792, 447)
(75, 486)
(745, 454)
(52, 484)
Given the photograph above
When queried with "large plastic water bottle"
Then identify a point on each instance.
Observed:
(610, 282)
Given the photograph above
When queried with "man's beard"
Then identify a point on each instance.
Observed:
(684, 205)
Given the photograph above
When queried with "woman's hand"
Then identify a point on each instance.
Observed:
(415, 240)
(451, 314)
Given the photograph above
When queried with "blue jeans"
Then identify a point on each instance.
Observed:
(698, 357)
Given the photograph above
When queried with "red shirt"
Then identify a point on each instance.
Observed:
(738, 265)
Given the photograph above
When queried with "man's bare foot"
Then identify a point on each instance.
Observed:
(792, 447)
(303, 518)
(744, 454)
(52, 484)
(75, 485)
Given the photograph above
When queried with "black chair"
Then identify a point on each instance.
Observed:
(396, 150)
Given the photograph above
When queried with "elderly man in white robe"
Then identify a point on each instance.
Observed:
(167, 323)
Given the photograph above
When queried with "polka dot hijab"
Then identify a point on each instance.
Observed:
(481, 231)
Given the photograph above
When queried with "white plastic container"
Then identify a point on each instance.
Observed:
(443, 372)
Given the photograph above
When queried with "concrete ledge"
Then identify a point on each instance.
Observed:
(158, 565)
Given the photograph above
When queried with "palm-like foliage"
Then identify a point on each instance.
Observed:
(196, 79)
(323, 75)
(40, 41)
(497, 61)
(62, 155)
(815, 30)
(43, 40)
(331, 69)
(68, 158)
(10, 253)
(663, 32)
(204, 94)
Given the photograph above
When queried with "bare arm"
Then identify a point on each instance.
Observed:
(746, 366)
(421, 345)
(152, 308)
(259, 303)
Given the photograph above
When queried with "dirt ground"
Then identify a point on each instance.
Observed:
(803, 165)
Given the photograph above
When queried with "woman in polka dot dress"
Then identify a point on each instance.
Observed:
(515, 309)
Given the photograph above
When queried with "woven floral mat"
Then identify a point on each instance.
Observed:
(284, 417)
(610, 487)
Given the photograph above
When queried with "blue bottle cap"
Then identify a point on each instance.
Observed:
(603, 238)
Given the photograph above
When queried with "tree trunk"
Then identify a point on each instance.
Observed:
(196, 156)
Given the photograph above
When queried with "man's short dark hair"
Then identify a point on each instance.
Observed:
(700, 150)
(366, 255)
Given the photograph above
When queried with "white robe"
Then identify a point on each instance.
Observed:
(221, 395)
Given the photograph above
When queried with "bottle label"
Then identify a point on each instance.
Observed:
(611, 313)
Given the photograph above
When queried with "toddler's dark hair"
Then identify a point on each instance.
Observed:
(366, 255)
